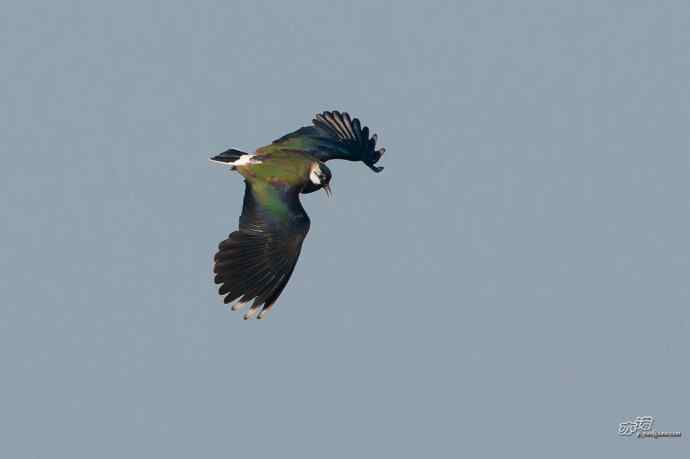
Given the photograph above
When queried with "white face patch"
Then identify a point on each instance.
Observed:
(314, 175)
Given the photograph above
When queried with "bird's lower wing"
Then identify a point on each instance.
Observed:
(255, 262)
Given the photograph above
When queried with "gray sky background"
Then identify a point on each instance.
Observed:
(514, 283)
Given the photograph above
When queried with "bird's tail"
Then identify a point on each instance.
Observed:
(229, 156)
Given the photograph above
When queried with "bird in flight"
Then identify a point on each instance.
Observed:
(255, 262)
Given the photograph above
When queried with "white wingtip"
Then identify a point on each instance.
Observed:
(252, 312)
(237, 306)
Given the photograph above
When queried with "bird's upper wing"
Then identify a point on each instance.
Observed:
(333, 135)
(256, 261)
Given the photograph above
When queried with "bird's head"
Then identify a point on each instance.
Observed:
(319, 177)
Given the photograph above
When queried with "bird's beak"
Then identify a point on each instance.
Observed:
(327, 189)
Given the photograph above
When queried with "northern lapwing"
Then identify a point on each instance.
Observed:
(255, 262)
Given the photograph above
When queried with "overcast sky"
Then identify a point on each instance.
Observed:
(514, 283)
